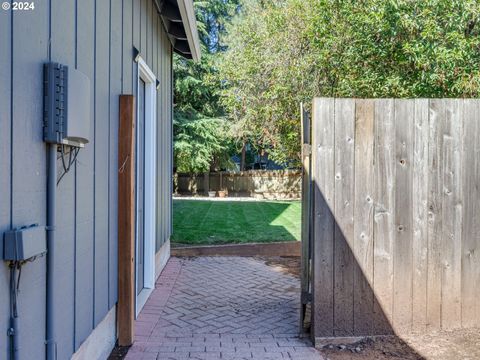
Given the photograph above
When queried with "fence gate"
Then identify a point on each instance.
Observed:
(306, 223)
(396, 198)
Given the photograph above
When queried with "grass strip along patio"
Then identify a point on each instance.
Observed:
(205, 222)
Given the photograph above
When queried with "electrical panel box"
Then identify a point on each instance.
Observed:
(24, 243)
(66, 105)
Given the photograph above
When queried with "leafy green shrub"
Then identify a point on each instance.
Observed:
(283, 52)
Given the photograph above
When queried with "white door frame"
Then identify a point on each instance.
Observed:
(150, 80)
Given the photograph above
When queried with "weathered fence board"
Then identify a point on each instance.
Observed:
(323, 176)
(363, 215)
(402, 250)
(435, 189)
(420, 229)
(344, 203)
(471, 230)
(395, 242)
(384, 221)
(452, 215)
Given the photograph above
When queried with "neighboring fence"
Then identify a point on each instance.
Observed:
(275, 184)
(396, 243)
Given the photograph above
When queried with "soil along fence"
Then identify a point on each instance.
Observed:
(396, 236)
(264, 184)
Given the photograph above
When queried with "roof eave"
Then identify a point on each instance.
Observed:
(188, 18)
(180, 23)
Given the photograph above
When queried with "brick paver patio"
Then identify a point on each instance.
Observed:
(221, 308)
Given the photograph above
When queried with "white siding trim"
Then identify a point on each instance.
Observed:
(150, 80)
(161, 258)
(101, 340)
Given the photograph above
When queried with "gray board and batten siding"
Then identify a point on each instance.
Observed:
(396, 243)
(97, 38)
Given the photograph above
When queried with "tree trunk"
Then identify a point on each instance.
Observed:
(193, 184)
(206, 182)
(244, 153)
(175, 183)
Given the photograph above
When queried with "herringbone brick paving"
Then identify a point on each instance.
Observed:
(221, 308)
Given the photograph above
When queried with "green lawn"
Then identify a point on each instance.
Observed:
(203, 222)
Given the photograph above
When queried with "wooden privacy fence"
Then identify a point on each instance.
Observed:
(396, 228)
(262, 184)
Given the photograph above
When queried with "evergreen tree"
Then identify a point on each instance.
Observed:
(201, 132)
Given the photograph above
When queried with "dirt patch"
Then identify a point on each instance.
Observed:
(447, 345)
(380, 348)
(273, 249)
(174, 245)
(453, 345)
(286, 264)
(119, 353)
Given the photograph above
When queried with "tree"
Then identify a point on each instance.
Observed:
(283, 52)
(201, 135)
(201, 144)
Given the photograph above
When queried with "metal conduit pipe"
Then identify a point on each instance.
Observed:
(51, 345)
(13, 331)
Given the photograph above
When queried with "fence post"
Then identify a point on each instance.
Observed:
(306, 213)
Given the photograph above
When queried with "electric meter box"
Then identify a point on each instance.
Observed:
(24, 243)
(66, 106)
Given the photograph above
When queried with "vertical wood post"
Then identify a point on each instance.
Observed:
(126, 220)
(306, 213)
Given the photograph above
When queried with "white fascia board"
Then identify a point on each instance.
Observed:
(187, 13)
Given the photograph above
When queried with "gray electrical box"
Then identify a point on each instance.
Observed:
(66, 105)
(24, 243)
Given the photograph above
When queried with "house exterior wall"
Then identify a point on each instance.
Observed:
(97, 38)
